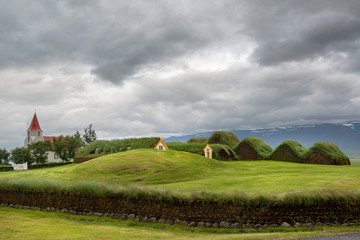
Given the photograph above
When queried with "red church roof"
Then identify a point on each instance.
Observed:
(34, 125)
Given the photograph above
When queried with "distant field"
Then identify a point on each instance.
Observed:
(186, 173)
(21, 224)
(355, 162)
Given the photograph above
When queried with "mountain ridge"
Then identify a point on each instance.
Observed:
(346, 135)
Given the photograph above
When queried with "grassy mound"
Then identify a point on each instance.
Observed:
(225, 138)
(252, 148)
(145, 166)
(326, 153)
(221, 152)
(118, 145)
(198, 140)
(289, 151)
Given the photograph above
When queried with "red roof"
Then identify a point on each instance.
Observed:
(34, 125)
(49, 138)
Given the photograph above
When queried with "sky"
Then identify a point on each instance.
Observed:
(164, 68)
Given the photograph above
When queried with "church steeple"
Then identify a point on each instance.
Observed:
(34, 132)
(34, 125)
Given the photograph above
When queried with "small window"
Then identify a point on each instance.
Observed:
(56, 156)
(160, 147)
(208, 150)
(38, 133)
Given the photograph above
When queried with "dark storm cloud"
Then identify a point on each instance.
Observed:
(118, 39)
(136, 68)
(303, 30)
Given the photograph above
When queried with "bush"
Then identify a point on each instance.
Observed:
(5, 168)
(225, 138)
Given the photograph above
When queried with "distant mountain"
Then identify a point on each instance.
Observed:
(345, 135)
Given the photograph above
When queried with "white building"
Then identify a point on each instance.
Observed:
(161, 145)
(208, 151)
(35, 134)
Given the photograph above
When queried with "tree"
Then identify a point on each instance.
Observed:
(90, 135)
(38, 150)
(21, 155)
(78, 136)
(66, 147)
(4, 156)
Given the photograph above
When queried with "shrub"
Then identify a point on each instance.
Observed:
(5, 168)
(225, 138)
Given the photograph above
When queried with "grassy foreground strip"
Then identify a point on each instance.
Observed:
(30, 224)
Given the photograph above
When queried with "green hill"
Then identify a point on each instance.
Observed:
(185, 173)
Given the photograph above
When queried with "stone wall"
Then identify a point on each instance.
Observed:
(189, 211)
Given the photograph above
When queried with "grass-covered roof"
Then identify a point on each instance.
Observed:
(290, 151)
(330, 149)
(224, 137)
(260, 146)
(118, 145)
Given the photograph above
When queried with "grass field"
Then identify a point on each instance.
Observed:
(186, 173)
(28, 224)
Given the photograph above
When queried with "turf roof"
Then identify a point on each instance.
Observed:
(330, 149)
(260, 146)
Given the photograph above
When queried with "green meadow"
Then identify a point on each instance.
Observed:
(185, 173)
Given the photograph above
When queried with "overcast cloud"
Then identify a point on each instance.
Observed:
(159, 68)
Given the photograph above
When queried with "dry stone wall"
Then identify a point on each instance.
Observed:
(191, 212)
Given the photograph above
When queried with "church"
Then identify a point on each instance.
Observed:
(35, 134)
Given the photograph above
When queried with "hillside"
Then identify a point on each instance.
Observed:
(186, 173)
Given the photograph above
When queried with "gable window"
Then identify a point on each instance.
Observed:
(56, 156)
(160, 147)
